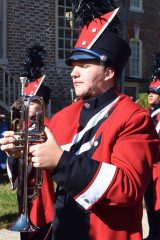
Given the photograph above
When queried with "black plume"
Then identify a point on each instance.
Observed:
(85, 11)
(34, 62)
(156, 66)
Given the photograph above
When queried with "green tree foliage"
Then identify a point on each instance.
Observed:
(143, 100)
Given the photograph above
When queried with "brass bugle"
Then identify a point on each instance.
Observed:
(20, 124)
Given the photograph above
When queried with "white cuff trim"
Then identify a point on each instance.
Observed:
(158, 127)
(98, 187)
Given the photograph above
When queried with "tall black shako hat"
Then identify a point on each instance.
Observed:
(33, 71)
(99, 38)
(154, 85)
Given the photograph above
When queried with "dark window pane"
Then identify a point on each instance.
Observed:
(61, 2)
(61, 33)
(131, 91)
(61, 11)
(61, 43)
(68, 44)
(69, 3)
(67, 54)
(68, 33)
(61, 22)
(74, 42)
(1, 35)
(61, 54)
(75, 34)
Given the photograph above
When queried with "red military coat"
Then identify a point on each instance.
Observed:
(155, 114)
(106, 175)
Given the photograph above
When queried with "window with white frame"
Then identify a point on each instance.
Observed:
(67, 34)
(136, 58)
(136, 5)
(3, 30)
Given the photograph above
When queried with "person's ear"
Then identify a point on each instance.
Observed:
(109, 73)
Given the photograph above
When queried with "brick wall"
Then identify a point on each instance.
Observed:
(34, 21)
(149, 32)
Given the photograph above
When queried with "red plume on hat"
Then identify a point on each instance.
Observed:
(154, 86)
(99, 38)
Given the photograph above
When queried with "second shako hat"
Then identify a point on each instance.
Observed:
(154, 85)
(32, 70)
(97, 40)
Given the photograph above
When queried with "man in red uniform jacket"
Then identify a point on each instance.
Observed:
(152, 194)
(102, 147)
